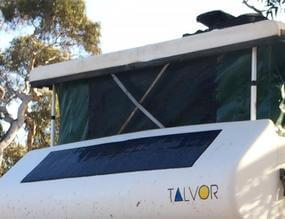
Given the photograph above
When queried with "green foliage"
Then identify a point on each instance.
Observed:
(28, 52)
(55, 30)
(60, 21)
(12, 154)
(40, 115)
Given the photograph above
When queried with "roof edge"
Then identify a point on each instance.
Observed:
(227, 39)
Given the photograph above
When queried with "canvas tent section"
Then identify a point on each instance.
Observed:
(204, 78)
(73, 104)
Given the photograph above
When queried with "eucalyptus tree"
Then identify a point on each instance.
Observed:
(46, 32)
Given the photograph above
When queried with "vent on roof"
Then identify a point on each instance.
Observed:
(220, 19)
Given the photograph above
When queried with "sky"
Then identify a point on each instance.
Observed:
(132, 23)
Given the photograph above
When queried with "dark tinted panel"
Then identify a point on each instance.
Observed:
(185, 94)
(151, 153)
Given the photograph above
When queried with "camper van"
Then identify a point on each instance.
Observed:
(188, 128)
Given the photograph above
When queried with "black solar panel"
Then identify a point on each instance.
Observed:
(151, 153)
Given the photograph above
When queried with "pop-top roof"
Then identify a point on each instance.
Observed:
(216, 41)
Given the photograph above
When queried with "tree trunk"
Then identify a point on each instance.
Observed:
(15, 125)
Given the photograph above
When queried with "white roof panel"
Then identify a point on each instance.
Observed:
(220, 38)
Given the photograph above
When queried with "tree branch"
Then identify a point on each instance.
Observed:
(21, 95)
(2, 92)
(50, 59)
(7, 117)
(15, 125)
(253, 8)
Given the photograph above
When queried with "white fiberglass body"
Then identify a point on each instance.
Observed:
(236, 177)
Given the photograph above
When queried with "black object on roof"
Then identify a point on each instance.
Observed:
(219, 19)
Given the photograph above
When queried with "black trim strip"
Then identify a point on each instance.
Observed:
(151, 153)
